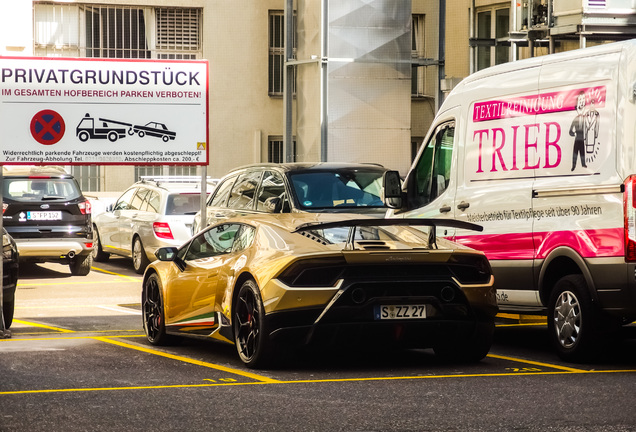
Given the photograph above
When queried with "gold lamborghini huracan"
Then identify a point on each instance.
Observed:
(264, 281)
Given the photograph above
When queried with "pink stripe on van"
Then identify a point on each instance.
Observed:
(519, 246)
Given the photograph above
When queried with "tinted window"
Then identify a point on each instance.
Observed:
(244, 238)
(36, 189)
(123, 203)
(272, 186)
(138, 199)
(222, 192)
(180, 204)
(215, 241)
(242, 195)
(336, 189)
(433, 170)
(152, 202)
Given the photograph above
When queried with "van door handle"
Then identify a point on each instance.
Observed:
(444, 209)
(463, 205)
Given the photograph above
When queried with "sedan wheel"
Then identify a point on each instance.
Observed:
(250, 335)
(98, 253)
(152, 310)
(140, 260)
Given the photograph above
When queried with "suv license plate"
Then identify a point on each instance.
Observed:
(44, 215)
(390, 312)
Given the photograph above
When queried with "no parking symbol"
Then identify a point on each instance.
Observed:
(47, 127)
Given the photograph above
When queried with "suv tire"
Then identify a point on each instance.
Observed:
(81, 266)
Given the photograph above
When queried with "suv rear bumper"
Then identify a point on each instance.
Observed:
(53, 248)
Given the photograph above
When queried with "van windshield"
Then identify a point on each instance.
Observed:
(338, 189)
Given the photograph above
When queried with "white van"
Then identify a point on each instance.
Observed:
(542, 154)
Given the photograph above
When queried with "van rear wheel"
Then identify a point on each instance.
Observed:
(573, 320)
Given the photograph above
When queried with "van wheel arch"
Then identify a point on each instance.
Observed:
(561, 262)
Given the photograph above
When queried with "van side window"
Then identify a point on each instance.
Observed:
(433, 170)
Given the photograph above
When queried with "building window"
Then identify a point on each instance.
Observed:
(56, 30)
(88, 177)
(497, 30)
(277, 53)
(116, 32)
(95, 31)
(275, 150)
(418, 52)
(178, 33)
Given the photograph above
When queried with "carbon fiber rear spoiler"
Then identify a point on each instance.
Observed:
(354, 223)
(451, 223)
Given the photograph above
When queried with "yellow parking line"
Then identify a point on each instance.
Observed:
(26, 284)
(188, 360)
(564, 368)
(32, 324)
(136, 279)
(521, 324)
(73, 306)
(341, 380)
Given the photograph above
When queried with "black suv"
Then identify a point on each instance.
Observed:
(9, 276)
(318, 187)
(49, 218)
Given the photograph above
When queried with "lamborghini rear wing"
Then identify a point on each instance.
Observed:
(352, 224)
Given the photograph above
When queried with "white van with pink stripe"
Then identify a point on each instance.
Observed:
(542, 154)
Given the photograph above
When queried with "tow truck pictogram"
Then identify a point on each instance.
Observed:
(111, 129)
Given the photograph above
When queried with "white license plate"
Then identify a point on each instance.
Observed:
(44, 215)
(390, 312)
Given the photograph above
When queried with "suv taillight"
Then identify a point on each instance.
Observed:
(629, 205)
(4, 207)
(162, 230)
(85, 207)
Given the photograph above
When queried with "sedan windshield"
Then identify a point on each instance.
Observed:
(337, 189)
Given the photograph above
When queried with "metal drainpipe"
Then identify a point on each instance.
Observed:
(324, 71)
(288, 83)
(441, 72)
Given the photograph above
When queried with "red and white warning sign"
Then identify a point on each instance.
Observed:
(119, 112)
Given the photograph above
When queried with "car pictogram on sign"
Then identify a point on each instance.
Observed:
(47, 127)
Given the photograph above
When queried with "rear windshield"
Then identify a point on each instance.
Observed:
(338, 189)
(411, 236)
(39, 189)
(183, 204)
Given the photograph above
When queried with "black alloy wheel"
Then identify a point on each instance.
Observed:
(152, 311)
(250, 335)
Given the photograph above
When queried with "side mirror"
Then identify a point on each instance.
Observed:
(392, 189)
(166, 253)
(274, 204)
(170, 254)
